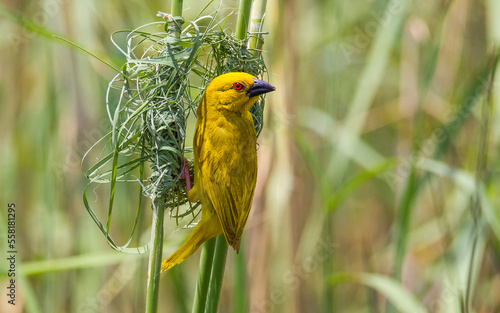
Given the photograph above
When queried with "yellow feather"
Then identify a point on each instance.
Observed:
(225, 162)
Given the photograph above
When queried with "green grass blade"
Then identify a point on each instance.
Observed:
(356, 181)
(25, 22)
(391, 289)
(74, 262)
(369, 81)
(415, 182)
(72, 44)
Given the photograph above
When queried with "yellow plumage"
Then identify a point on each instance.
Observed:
(225, 161)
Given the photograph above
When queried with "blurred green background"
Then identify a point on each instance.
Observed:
(378, 165)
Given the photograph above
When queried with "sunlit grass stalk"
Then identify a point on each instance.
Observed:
(256, 22)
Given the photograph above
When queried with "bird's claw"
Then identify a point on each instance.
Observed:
(185, 174)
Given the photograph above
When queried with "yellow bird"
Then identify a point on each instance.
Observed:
(225, 161)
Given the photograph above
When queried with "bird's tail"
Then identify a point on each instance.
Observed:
(202, 232)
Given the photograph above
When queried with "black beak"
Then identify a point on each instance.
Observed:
(259, 87)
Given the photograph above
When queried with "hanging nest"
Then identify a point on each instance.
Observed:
(149, 102)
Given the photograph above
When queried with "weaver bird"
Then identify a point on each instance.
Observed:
(225, 161)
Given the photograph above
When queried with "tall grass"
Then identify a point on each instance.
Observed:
(354, 211)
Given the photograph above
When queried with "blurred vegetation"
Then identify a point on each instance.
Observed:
(378, 161)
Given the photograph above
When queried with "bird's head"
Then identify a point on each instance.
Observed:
(236, 91)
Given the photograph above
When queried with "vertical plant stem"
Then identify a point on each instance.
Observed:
(155, 260)
(175, 24)
(240, 282)
(328, 270)
(255, 45)
(176, 8)
(481, 168)
(243, 17)
(157, 229)
(256, 21)
(206, 258)
(217, 275)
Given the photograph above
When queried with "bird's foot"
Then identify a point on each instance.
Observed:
(185, 174)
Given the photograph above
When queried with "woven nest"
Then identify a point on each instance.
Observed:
(150, 100)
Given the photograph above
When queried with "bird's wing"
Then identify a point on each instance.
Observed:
(229, 174)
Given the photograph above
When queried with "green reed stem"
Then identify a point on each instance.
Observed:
(155, 261)
(243, 18)
(256, 21)
(177, 8)
(157, 230)
(217, 275)
(254, 44)
(240, 282)
(206, 258)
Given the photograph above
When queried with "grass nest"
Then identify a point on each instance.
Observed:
(149, 101)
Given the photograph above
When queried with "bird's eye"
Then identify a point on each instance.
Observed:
(238, 86)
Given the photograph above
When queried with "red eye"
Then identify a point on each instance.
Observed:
(238, 86)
